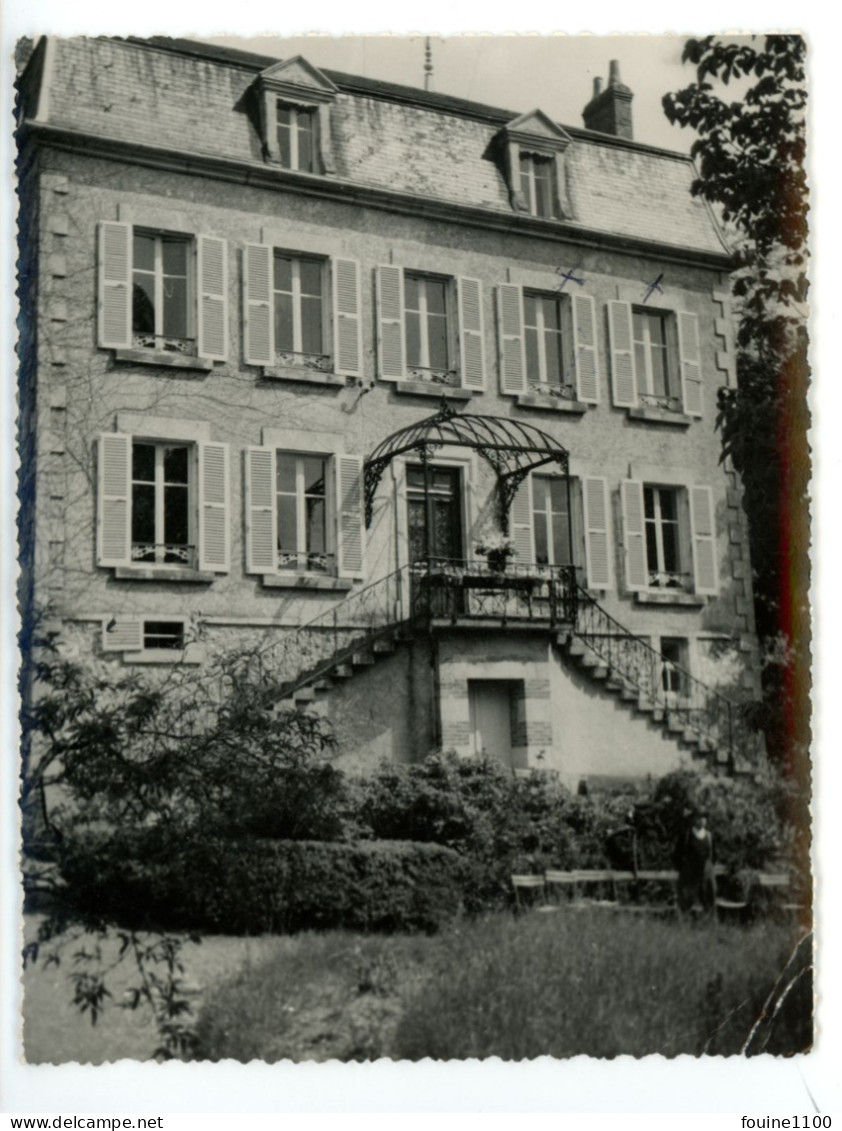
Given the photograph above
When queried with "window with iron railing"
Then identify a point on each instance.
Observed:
(161, 485)
(162, 287)
(302, 503)
(664, 538)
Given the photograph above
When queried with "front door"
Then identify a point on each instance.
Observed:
(491, 718)
(435, 514)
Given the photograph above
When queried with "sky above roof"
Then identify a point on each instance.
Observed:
(516, 72)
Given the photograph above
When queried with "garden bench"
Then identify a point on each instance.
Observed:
(577, 879)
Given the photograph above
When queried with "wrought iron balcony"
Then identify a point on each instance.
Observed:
(456, 590)
(659, 400)
(165, 553)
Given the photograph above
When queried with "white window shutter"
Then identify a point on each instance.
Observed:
(520, 522)
(634, 534)
(122, 634)
(261, 513)
(212, 272)
(597, 516)
(586, 356)
(114, 499)
(471, 335)
(214, 535)
(704, 540)
(621, 338)
(258, 320)
(391, 349)
(510, 337)
(691, 362)
(347, 319)
(115, 285)
(350, 524)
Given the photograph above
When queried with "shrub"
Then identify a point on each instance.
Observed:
(251, 886)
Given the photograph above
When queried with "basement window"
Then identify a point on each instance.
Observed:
(164, 634)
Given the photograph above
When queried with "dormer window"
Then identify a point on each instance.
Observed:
(295, 102)
(533, 149)
(538, 184)
(296, 128)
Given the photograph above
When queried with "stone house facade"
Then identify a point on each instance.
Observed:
(415, 395)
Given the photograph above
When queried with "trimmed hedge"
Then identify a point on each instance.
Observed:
(255, 886)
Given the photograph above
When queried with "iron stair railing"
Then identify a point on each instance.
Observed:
(411, 596)
(688, 707)
(305, 652)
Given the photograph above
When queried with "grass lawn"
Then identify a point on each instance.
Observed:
(573, 982)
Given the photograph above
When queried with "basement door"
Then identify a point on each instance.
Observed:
(491, 718)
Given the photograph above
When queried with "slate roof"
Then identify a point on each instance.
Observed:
(389, 136)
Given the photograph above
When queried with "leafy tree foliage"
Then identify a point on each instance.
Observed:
(193, 752)
(750, 155)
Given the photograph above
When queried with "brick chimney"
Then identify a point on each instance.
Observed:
(609, 111)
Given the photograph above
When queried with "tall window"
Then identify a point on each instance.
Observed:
(651, 355)
(302, 512)
(663, 541)
(435, 513)
(160, 292)
(426, 314)
(160, 521)
(296, 131)
(551, 521)
(299, 300)
(542, 327)
(537, 183)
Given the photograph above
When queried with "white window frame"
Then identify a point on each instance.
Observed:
(682, 537)
(562, 303)
(160, 484)
(301, 552)
(207, 292)
(646, 380)
(533, 159)
(312, 113)
(573, 527)
(209, 502)
(158, 286)
(421, 278)
(297, 258)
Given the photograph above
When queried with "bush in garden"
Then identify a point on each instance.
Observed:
(253, 886)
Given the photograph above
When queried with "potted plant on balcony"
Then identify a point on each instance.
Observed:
(496, 549)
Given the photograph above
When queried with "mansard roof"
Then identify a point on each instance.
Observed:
(386, 137)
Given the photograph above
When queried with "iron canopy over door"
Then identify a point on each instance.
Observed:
(434, 505)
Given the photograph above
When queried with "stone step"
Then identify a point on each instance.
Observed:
(304, 695)
(323, 684)
(342, 671)
(600, 672)
(362, 659)
(629, 694)
(384, 646)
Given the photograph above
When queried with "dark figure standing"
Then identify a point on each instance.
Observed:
(694, 861)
